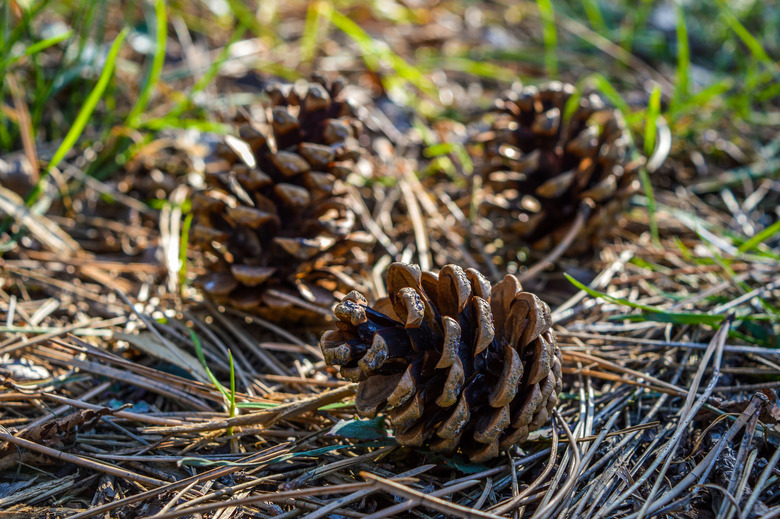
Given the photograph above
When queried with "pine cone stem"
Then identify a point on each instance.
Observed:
(560, 249)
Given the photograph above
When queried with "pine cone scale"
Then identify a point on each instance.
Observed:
(504, 392)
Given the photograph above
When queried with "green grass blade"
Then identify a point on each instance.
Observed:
(464, 158)
(647, 185)
(469, 66)
(657, 315)
(759, 238)
(651, 127)
(232, 384)
(439, 149)
(35, 48)
(161, 37)
(570, 108)
(593, 12)
(595, 293)
(183, 246)
(202, 358)
(7, 39)
(603, 85)
(232, 400)
(171, 121)
(270, 405)
(373, 51)
(244, 15)
(550, 36)
(88, 107)
(651, 120)
(673, 318)
(311, 32)
(748, 39)
(683, 57)
(716, 91)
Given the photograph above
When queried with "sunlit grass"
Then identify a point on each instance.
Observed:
(155, 68)
(589, 43)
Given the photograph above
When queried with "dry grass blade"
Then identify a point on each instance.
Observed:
(25, 124)
(38, 492)
(515, 501)
(411, 503)
(360, 494)
(282, 412)
(550, 259)
(415, 215)
(702, 468)
(269, 497)
(170, 487)
(423, 499)
(634, 375)
(78, 460)
(24, 343)
(552, 500)
(136, 417)
(41, 227)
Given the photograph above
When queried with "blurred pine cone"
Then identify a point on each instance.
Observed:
(539, 169)
(450, 359)
(273, 214)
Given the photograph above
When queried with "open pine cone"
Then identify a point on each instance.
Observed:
(540, 169)
(273, 216)
(450, 359)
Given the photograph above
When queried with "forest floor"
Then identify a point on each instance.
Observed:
(127, 393)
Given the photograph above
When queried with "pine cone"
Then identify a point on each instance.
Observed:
(539, 169)
(450, 359)
(274, 209)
